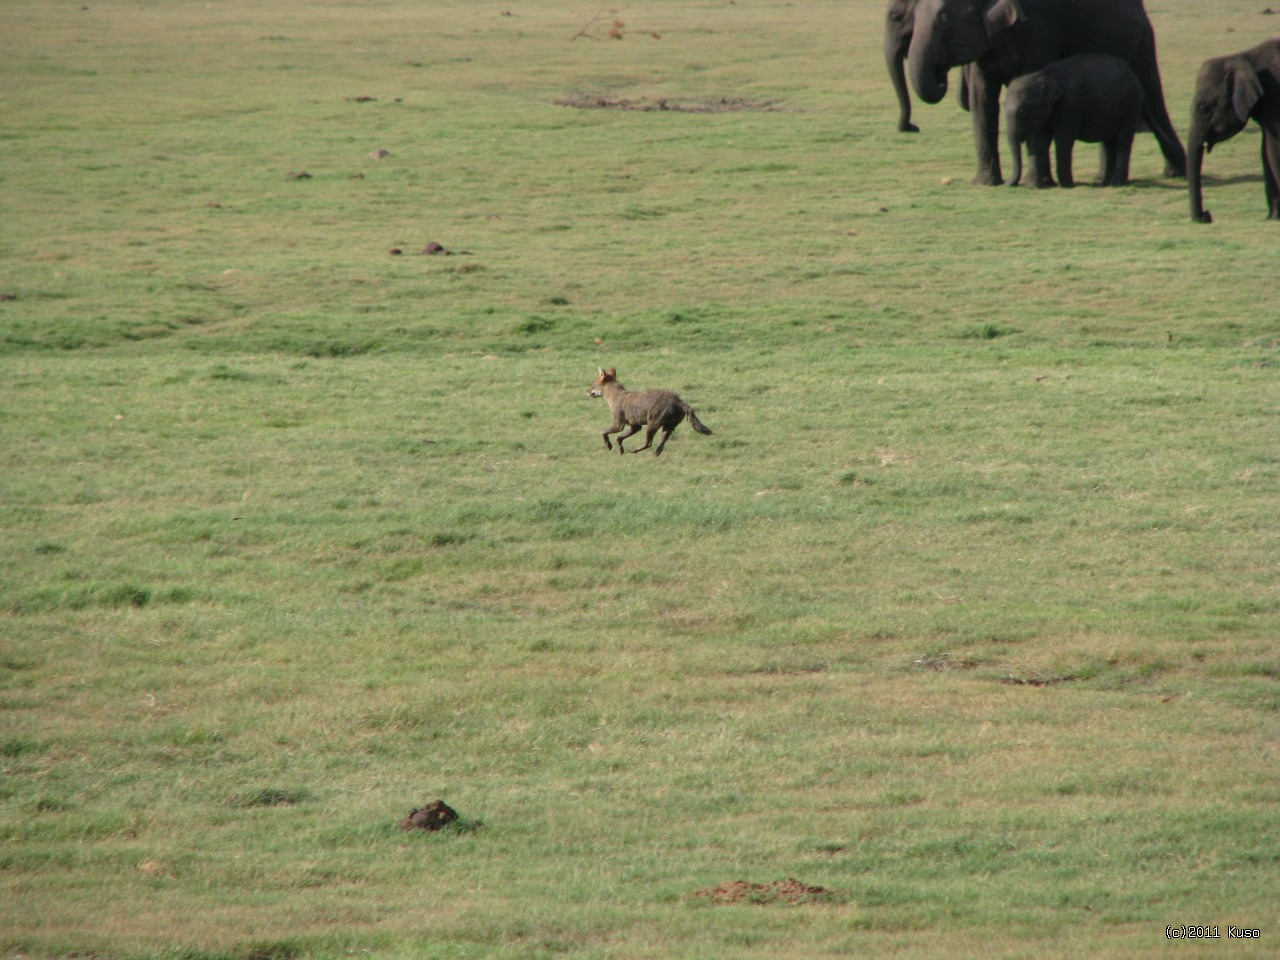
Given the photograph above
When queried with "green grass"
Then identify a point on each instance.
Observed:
(967, 613)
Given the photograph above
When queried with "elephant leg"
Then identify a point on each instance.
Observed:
(1038, 154)
(1175, 157)
(1063, 144)
(1154, 113)
(1271, 172)
(1108, 163)
(984, 105)
(1122, 149)
(895, 53)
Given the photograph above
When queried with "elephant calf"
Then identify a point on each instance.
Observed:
(1230, 90)
(1093, 97)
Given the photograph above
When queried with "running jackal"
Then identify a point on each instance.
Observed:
(654, 409)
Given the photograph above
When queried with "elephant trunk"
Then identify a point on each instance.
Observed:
(895, 54)
(925, 65)
(1195, 161)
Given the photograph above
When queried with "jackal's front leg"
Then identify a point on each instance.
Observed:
(633, 429)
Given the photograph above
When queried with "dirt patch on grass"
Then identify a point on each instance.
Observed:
(789, 892)
(671, 104)
(1036, 681)
(942, 663)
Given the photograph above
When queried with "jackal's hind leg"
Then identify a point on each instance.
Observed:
(648, 438)
(666, 435)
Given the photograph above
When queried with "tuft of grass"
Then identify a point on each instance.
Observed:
(18, 746)
(272, 797)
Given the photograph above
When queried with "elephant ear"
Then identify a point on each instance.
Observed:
(1051, 90)
(1247, 90)
(1004, 14)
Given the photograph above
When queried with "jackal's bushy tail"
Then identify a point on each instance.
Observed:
(695, 422)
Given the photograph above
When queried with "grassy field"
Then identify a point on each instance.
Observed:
(967, 613)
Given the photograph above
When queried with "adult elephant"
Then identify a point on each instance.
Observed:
(1007, 38)
(899, 25)
(1230, 90)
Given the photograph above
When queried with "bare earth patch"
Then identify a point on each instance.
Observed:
(1036, 681)
(942, 662)
(646, 104)
(790, 892)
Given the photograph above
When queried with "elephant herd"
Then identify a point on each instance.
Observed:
(1077, 70)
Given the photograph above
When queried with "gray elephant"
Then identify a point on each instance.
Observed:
(899, 23)
(1230, 90)
(1092, 97)
(1007, 38)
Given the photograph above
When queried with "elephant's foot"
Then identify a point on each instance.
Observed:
(1204, 216)
(1175, 171)
(906, 126)
(988, 178)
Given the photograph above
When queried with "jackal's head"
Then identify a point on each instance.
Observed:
(603, 377)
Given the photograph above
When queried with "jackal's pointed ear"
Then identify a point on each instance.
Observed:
(600, 374)
(613, 371)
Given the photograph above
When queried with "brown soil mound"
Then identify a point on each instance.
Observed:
(433, 816)
(790, 891)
